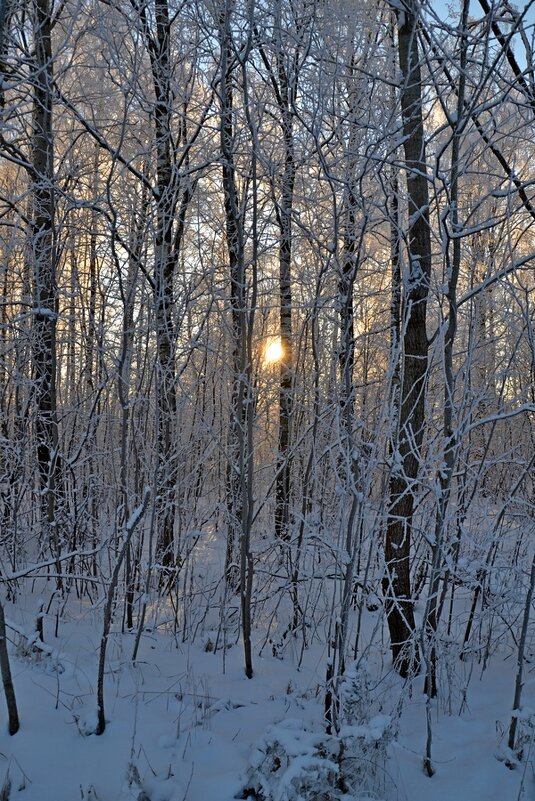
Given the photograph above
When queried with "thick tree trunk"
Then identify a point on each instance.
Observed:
(43, 258)
(414, 344)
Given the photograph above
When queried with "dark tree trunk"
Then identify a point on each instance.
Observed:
(173, 192)
(240, 465)
(12, 712)
(283, 488)
(43, 258)
(414, 346)
(235, 250)
(164, 271)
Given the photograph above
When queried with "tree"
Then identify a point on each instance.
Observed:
(5, 669)
(240, 465)
(43, 257)
(414, 347)
(283, 51)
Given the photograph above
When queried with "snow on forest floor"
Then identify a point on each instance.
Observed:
(187, 731)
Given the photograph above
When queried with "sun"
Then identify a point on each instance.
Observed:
(273, 351)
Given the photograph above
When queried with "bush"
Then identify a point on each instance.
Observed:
(294, 763)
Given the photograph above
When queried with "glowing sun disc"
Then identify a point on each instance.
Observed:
(273, 352)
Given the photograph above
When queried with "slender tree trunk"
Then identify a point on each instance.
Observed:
(92, 358)
(235, 250)
(519, 684)
(283, 70)
(123, 391)
(4, 19)
(240, 469)
(9, 690)
(350, 261)
(127, 534)
(445, 476)
(173, 193)
(349, 466)
(283, 485)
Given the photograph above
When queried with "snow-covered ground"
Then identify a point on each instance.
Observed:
(183, 726)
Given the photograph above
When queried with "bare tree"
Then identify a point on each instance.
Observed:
(43, 257)
(9, 690)
(283, 51)
(414, 346)
(240, 465)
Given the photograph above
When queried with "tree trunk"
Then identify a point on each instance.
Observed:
(519, 684)
(12, 713)
(283, 487)
(164, 271)
(445, 476)
(240, 465)
(235, 250)
(414, 345)
(130, 527)
(43, 257)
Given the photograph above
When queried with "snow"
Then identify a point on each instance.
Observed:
(372, 731)
(179, 728)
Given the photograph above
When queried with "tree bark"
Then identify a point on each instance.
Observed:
(9, 690)
(240, 449)
(164, 270)
(43, 258)
(283, 487)
(236, 257)
(414, 345)
(519, 684)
